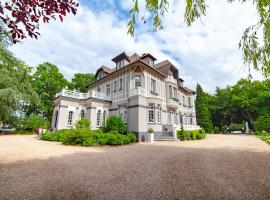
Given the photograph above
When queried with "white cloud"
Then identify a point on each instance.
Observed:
(206, 52)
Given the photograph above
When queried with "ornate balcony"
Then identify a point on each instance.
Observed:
(79, 95)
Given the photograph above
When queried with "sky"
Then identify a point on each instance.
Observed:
(205, 53)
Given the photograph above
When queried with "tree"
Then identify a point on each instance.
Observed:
(15, 87)
(47, 81)
(254, 45)
(202, 111)
(20, 16)
(81, 81)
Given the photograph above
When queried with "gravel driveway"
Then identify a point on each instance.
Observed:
(219, 167)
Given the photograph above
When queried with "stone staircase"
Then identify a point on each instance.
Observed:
(165, 136)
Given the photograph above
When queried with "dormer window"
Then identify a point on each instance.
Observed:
(120, 64)
(150, 62)
(121, 60)
(148, 59)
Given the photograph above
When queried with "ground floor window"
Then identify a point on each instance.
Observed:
(82, 114)
(169, 117)
(191, 120)
(158, 113)
(70, 116)
(151, 113)
(104, 117)
(122, 112)
(98, 118)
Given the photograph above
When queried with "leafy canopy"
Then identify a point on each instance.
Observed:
(255, 47)
(80, 81)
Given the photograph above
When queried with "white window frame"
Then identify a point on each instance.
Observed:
(82, 114)
(138, 81)
(104, 117)
(153, 87)
(70, 117)
(151, 113)
(158, 113)
(108, 89)
(98, 118)
(120, 84)
(115, 86)
(170, 91)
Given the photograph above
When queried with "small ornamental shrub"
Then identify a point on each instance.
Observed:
(199, 136)
(132, 137)
(83, 123)
(115, 123)
(225, 129)
(150, 130)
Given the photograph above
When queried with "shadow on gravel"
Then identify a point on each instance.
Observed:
(141, 172)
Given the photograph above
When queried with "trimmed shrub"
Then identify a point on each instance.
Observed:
(132, 137)
(199, 136)
(115, 123)
(88, 142)
(190, 135)
(83, 123)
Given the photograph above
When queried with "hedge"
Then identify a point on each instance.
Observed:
(191, 134)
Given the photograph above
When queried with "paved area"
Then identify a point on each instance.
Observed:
(219, 167)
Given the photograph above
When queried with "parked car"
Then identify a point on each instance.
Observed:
(7, 129)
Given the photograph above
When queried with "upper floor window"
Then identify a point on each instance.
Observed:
(184, 100)
(70, 116)
(153, 85)
(121, 84)
(170, 91)
(115, 86)
(137, 81)
(151, 113)
(98, 89)
(98, 118)
(175, 119)
(175, 92)
(108, 89)
(151, 62)
(189, 101)
(119, 64)
(82, 114)
(169, 117)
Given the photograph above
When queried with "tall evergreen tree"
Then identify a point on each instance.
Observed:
(202, 111)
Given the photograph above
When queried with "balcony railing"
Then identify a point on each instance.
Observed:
(79, 95)
(137, 91)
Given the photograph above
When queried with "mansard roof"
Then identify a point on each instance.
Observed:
(107, 70)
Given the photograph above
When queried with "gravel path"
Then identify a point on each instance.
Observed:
(219, 167)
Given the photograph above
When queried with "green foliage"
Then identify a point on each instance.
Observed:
(216, 130)
(35, 121)
(263, 135)
(84, 137)
(202, 111)
(115, 123)
(80, 81)
(262, 123)
(150, 130)
(23, 132)
(236, 127)
(47, 81)
(15, 87)
(255, 42)
(83, 123)
(191, 134)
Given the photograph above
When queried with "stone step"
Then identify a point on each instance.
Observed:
(166, 139)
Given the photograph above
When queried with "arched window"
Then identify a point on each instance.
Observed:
(98, 118)
(82, 114)
(104, 117)
(70, 116)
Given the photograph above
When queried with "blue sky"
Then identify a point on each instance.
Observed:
(205, 53)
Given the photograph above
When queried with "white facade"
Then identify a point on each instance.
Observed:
(144, 94)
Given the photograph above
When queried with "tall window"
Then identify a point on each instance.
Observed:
(121, 84)
(184, 100)
(180, 118)
(191, 121)
(70, 116)
(158, 113)
(98, 89)
(56, 119)
(120, 64)
(82, 114)
(122, 112)
(104, 117)
(151, 113)
(169, 117)
(137, 81)
(175, 119)
(108, 89)
(115, 85)
(151, 62)
(175, 92)
(189, 101)
(98, 118)
(170, 91)
(153, 85)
